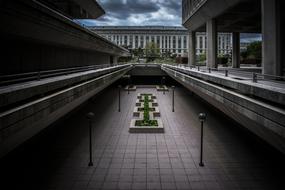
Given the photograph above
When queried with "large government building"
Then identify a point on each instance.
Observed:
(169, 39)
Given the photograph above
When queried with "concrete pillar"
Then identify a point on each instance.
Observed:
(128, 40)
(160, 43)
(211, 44)
(192, 49)
(134, 40)
(115, 60)
(236, 50)
(176, 51)
(271, 47)
(171, 43)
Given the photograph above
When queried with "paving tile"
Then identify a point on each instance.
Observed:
(233, 159)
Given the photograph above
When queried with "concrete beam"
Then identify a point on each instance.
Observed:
(212, 59)
(37, 23)
(236, 50)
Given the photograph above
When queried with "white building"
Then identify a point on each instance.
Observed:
(169, 39)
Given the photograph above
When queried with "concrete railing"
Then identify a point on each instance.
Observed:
(19, 93)
(243, 85)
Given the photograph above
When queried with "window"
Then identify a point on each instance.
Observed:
(136, 41)
(174, 42)
(131, 42)
(158, 41)
(201, 42)
(147, 39)
(185, 42)
(141, 39)
(126, 40)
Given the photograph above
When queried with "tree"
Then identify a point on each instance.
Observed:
(152, 50)
(254, 50)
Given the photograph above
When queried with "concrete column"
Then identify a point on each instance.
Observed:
(271, 47)
(171, 43)
(212, 44)
(144, 41)
(128, 40)
(236, 50)
(134, 40)
(160, 43)
(176, 44)
(192, 49)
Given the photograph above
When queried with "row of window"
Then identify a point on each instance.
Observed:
(141, 41)
(167, 43)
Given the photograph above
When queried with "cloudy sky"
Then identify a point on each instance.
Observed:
(145, 12)
(139, 13)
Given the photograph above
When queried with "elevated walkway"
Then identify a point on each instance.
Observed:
(29, 107)
(257, 106)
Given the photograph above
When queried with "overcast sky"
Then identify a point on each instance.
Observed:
(139, 13)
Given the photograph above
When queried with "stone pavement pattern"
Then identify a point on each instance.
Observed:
(58, 158)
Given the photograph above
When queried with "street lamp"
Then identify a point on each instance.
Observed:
(162, 84)
(129, 79)
(90, 116)
(173, 88)
(202, 118)
(119, 109)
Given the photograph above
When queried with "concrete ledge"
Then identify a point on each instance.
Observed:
(266, 121)
(132, 88)
(147, 70)
(163, 88)
(19, 124)
(146, 129)
(34, 20)
(269, 93)
(15, 93)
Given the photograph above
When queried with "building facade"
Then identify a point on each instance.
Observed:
(168, 39)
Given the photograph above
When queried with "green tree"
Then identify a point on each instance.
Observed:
(254, 50)
(152, 50)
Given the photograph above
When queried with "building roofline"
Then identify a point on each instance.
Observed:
(178, 28)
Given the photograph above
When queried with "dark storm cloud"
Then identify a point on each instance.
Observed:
(139, 12)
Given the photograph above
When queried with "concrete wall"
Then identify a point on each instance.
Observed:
(147, 70)
(282, 31)
(20, 56)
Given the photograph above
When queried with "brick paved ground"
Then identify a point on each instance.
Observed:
(58, 158)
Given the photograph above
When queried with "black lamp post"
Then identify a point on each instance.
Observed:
(90, 116)
(129, 84)
(202, 118)
(119, 109)
(162, 84)
(173, 88)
